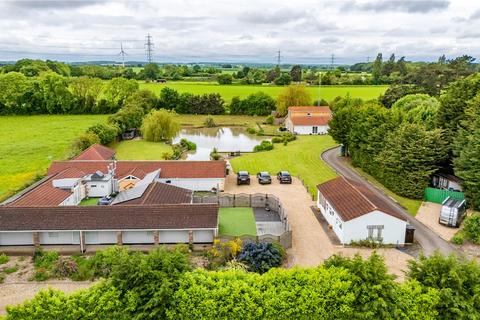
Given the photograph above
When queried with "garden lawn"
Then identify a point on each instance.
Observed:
(29, 143)
(230, 91)
(141, 150)
(89, 202)
(237, 222)
(300, 157)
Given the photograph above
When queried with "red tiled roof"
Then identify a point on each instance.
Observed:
(162, 193)
(96, 152)
(352, 200)
(171, 216)
(310, 116)
(310, 109)
(46, 195)
(169, 169)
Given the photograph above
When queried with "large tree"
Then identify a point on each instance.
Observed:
(293, 95)
(296, 73)
(159, 125)
(410, 155)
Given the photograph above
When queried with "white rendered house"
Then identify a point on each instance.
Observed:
(355, 213)
(308, 120)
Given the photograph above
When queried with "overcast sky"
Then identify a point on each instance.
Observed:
(305, 31)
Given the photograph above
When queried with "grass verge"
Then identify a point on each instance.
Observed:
(141, 150)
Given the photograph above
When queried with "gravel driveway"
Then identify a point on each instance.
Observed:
(428, 214)
(311, 245)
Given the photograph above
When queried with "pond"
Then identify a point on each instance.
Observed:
(225, 139)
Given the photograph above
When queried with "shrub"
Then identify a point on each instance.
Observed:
(264, 146)
(269, 120)
(224, 78)
(103, 261)
(4, 258)
(2, 277)
(188, 145)
(45, 259)
(11, 269)
(277, 140)
(105, 132)
(41, 274)
(251, 131)
(84, 141)
(471, 228)
(459, 238)
(260, 257)
(65, 267)
(209, 122)
(214, 155)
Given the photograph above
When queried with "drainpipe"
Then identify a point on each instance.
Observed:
(81, 241)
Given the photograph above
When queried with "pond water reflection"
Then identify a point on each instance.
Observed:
(225, 139)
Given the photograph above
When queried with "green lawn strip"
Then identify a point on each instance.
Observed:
(28, 144)
(230, 91)
(89, 202)
(237, 222)
(411, 205)
(300, 157)
(141, 150)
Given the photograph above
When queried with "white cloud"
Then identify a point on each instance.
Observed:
(185, 30)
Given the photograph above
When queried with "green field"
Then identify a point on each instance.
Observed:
(237, 222)
(141, 150)
(29, 143)
(230, 91)
(300, 157)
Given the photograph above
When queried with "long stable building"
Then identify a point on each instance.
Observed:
(151, 202)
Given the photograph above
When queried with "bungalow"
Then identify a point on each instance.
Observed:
(308, 120)
(96, 152)
(106, 225)
(355, 213)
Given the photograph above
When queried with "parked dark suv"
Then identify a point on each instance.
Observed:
(284, 177)
(243, 177)
(264, 178)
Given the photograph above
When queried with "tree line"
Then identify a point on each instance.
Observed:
(404, 142)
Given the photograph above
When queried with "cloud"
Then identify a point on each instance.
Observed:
(420, 6)
(272, 17)
(52, 4)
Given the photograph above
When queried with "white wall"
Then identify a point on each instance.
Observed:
(392, 233)
(204, 184)
(60, 237)
(99, 188)
(203, 236)
(333, 219)
(309, 129)
(132, 237)
(16, 238)
(100, 237)
(174, 236)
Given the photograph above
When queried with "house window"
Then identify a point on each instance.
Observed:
(93, 186)
(53, 234)
(375, 232)
(315, 130)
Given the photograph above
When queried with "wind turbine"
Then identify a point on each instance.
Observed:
(122, 53)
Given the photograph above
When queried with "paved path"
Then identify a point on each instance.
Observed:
(426, 237)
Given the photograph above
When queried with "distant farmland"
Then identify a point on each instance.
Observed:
(230, 91)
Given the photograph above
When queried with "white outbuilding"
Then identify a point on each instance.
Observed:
(308, 120)
(355, 213)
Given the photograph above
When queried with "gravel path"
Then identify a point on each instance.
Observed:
(428, 214)
(311, 245)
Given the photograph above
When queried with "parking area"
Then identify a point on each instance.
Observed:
(428, 214)
(311, 245)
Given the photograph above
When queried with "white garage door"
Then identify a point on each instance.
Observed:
(174, 236)
(100, 237)
(16, 238)
(203, 236)
(133, 237)
(61, 237)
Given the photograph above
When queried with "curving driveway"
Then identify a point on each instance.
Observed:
(426, 237)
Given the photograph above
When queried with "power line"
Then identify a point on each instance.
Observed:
(149, 48)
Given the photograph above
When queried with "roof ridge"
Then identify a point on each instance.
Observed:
(358, 191)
